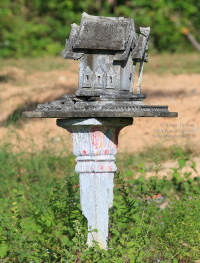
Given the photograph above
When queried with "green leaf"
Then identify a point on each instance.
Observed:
(121, 241)
(66, 240)
(187, 174)
(124, 235)
(23, 256)
(176, 175)
(138, 230)
(48, 222)
(3, 250)
(130, 244)
(136, 217)
(193, 166)
(182, 163)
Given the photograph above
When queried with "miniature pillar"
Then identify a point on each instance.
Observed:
(95, 142)
(141, 68)
(133, 76)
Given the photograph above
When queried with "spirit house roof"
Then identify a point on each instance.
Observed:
(106, 33)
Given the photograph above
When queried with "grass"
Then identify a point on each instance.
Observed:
(149, 157)
(31, 65)
(174, 63)
(41, 220)
(166, 63)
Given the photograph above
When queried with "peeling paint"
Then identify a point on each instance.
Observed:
(106, 151)
(84, 152)
(101, 167)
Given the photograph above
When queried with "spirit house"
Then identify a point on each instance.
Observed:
(106, 48)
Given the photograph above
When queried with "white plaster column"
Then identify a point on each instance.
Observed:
(95, 143)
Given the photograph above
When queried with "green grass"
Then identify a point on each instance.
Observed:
(177, 63)
(149, 157)
(31, 65)
(40, 211)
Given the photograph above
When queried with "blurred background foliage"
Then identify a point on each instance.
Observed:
(38, 27)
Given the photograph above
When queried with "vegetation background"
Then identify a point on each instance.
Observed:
(38, 27)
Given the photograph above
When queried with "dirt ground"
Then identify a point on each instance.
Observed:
(179, 92)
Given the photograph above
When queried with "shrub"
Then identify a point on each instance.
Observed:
(38, 27)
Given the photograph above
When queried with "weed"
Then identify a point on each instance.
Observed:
(41, 218)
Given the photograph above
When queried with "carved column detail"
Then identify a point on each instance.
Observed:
(95, 143)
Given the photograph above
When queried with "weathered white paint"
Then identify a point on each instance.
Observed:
(133, 76)
(126, 74)
(96, 191)
(95, 142)
(141, 68)
(94, 61)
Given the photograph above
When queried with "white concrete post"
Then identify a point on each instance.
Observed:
(95, 142)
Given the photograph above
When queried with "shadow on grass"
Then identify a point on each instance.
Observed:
(16, 116)
(5, 78)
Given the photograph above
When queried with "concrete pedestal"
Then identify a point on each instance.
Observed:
(95, 142)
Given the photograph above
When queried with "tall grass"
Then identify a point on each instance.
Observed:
(152, 220)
